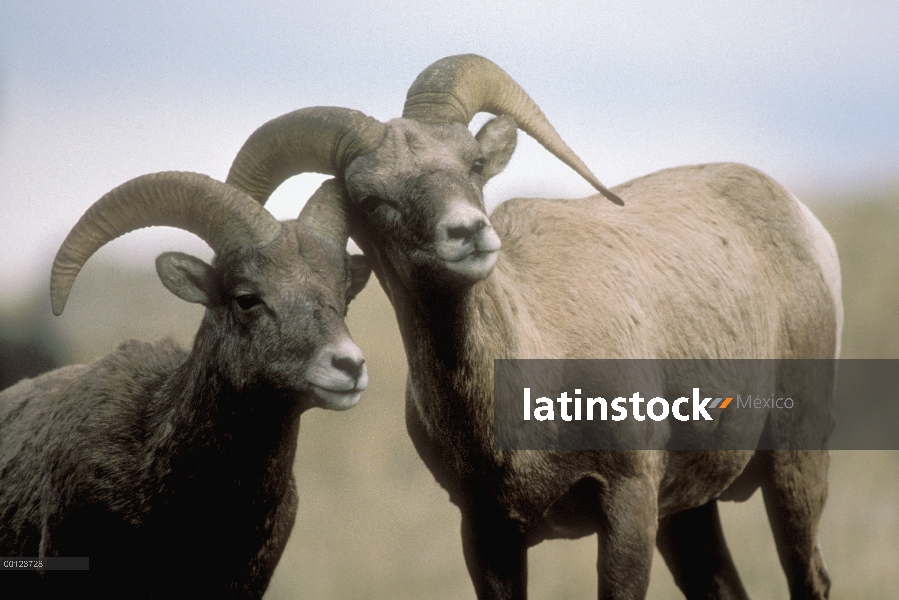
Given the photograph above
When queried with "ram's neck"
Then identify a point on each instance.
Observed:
(451, 342)
(208, 439)
(453, 333)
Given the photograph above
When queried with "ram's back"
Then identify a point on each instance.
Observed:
(73, 434)
(703, 261)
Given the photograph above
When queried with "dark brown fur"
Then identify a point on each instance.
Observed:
(172, 470)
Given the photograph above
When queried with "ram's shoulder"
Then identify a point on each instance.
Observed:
(131, 366)
(138, 357)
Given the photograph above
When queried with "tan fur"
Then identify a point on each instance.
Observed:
(714, 261)
(711, 261)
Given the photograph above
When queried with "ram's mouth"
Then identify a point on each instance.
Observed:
(337, 399)
(340, 394)
(472, 257)
(476, 265)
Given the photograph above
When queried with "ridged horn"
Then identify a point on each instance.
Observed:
(218, 213)
(325, 213)
(456, 88)
(316, 139)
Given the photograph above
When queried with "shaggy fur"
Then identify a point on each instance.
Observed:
(714, 261)
(171, 469)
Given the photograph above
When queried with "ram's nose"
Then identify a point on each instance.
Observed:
(348, 360)
(338, 375)
(466, 242)
(465, 230)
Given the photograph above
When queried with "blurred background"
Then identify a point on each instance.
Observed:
(95, 93)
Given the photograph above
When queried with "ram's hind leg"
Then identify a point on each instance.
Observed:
(693, 546)
(795, 488)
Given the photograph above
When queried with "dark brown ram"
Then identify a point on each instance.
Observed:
(172, 469)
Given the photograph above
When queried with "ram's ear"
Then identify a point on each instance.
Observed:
(187, 277)
(497, 139)
(359, 273)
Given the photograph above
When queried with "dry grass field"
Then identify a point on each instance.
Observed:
(373, 523)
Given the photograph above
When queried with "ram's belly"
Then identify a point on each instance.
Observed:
(693, 478)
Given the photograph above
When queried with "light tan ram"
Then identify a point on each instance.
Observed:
(710, 261)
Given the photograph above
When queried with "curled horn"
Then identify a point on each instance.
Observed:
(325, 213)
(218, 213)
(317, 139)
(456, 88)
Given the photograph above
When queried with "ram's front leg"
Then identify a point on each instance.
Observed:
(496, 556)
(626, 538)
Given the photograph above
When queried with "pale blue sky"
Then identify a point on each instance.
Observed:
(95, 93)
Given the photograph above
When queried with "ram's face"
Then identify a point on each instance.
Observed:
(293, 299)
(277, 314)
(419, 194)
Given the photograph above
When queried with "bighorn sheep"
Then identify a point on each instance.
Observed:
(712, 261)
(172, 470)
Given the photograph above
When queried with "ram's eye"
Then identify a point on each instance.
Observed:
(370, 203)
(478, 165)
(247, 301)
